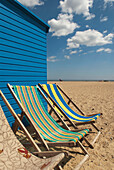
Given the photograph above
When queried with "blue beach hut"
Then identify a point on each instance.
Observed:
(23, 53)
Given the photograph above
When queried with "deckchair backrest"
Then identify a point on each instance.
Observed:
(30, 100)
(58, 98)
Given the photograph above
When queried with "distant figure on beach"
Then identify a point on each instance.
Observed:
(60, 80)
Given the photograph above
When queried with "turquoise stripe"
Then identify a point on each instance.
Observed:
(31, 114)
(38, 116)
(50, 117)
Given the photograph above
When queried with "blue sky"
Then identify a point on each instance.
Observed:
(80, 43)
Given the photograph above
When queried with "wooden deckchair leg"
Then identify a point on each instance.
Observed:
(96, 138)
(91, 145)
(82, 162)
(82, 147)
(97, 134)
(95, 127)
(85, 157)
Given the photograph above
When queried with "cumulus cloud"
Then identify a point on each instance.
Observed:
(108, 2)
(67, 57)
(108, 50)
(31, 3)
(87, 26)
(89, 38)
(103, 19)
(90, 16)
(73, 52)
(52, 59)
(63, 25)
(77, 7)
(104, 32)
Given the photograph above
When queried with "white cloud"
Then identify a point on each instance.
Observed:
(89, 38)
(73, 52)
(31, 3)
(87, 26)
(108, 50)
(63, 25)
(67, 57)
(52, 59)
(108, 2)
(90, 16)
(103, 19)
(104, 32)
(78, 7)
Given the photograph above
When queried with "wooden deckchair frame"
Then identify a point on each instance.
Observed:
(67, 118)
(43, 142)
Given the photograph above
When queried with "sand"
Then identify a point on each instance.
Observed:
(93, 97)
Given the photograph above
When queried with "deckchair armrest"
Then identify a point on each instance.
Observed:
(83, 123)
(94, 114)
(78, 130)
(49, 153)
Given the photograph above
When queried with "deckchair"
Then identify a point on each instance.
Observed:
(55, 95)
(38, 151)
(49, 132)
(13, 155)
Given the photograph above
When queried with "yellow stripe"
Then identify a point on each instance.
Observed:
(46, 89)
(63, 107)
(72, 108)
(61, 104)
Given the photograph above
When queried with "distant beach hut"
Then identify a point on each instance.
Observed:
(23, 53)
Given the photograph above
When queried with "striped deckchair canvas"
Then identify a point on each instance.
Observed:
(55, 95)
(46, 125)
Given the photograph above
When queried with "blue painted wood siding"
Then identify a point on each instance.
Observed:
(23, 53)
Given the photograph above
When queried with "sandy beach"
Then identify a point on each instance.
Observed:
(93, 97)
